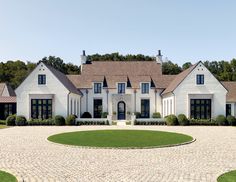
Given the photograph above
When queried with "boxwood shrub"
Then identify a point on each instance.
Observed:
(221, 120)
(70, 120)
(37, 122)
(59, 120)
(137, 114)
(11, 120)
(86, 115)
(3, 122)
(21, 121)
(156, 115)
(231, 120)
(183, 120)
(104, 114)
(171, 120)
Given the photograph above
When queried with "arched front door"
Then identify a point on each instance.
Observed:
(121, 110)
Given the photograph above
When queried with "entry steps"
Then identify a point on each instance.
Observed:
(121, 122)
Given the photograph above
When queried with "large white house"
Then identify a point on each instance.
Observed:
(122, 88)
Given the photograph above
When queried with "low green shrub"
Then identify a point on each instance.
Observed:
(204, 122)
(137, 114)
(86, 115)
(11, 120)
(147, 122)
(231, 120)
(37, 122)
(2, 122)
(59, 120)
(70, 120)
(183, 120)
(221, 120)
(20, 121)
(104, 114)
(156, 115)
(92, 122)
(171, 120)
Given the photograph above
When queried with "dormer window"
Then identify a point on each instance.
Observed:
(97, 88)
(200, 79)
(41, 79)
(121, 88)
(145, 88)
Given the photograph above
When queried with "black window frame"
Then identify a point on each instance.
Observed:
(41, 79)
(97, 108)
(200, 79)
(7, 109)
(200, 108)
(97, 88)
(41, 108)
(145, 108)
(121, 88)
(228, 110)
(145, 88)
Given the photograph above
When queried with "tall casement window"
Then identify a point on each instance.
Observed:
(200, 79)
(97, 108)
(7, 109)
(41, 108)
(200, 108)
(121, 88)
(41, 79)
(145, 88)
(145, 108)
(97, 88)
(228, 110)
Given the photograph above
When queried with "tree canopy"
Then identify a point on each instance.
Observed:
(14, 72)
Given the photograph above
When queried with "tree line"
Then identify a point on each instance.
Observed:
(14, 72)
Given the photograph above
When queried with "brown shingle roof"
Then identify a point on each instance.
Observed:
(231, 87)
(122, 68)
(64, 80)
(178, 79)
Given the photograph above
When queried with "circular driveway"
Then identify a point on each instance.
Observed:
(26, 153)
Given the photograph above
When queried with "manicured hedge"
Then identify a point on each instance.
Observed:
(183, 120)
(70, 120)
(221, 120)
(204, 122)
(59, 120)
(231, 120)
(11, 120)
(40, 122)
(104, 114)
(92, 122)
(2, 122)
(20, 121)
(172, 120)
(156, 115)
(137, 114)
(136, 122)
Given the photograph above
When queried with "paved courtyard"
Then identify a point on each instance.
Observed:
(26, 153)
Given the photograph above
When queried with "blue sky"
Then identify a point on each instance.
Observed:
(185, 30)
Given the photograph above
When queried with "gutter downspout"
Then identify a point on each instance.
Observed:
(155, 100)
(135, 100)
(107, 99)
(68, 104)
(86, 100)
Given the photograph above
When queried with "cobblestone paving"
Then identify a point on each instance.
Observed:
(26, 153)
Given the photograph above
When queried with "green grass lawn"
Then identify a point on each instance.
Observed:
(120, 138)
(6, 177)
(228, 177)
(3, 126)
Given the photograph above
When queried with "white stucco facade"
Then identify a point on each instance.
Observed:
(53, 89)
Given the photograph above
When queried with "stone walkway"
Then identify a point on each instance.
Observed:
(26, 153)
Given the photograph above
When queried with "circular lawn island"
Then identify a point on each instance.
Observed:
(121, 138)
(7, 177)
(228, 177)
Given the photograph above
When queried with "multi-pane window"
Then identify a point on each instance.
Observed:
(200, 79)
(97, 88)
(200, 108)
(145, 88)
(97, 108)
(41, 108)
(7, 109)
(121, 88)
(145, 108)
(228, 109)
(41, 79)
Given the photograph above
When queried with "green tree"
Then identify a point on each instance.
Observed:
(186, 65)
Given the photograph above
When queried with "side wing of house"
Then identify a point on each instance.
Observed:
(200, 94)
(43, 95)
